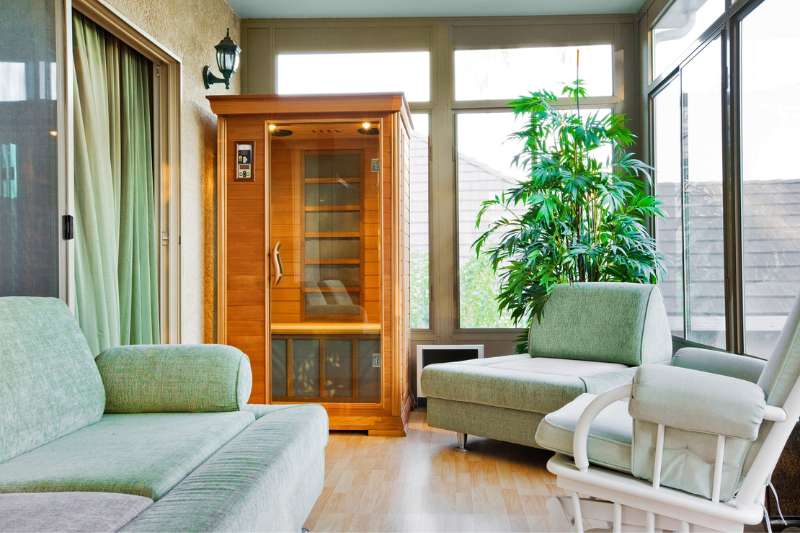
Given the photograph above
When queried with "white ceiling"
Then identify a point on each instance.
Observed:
(426, 8)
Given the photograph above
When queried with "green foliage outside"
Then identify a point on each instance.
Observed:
(420, 290)
(478, 296)
(575, 217)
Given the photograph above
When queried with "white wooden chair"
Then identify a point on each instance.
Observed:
(705, 436)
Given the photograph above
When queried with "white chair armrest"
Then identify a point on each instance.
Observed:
(581, 437)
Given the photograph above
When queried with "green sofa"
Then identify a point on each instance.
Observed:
(143, 438)
(590, 339)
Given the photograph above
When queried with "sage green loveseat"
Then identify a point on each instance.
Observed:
(143, 438)
(590, 339)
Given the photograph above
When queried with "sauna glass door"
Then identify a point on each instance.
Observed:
(325, 261)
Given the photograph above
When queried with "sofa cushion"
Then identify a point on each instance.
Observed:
(142, 454)
(166, 378)
(610, 322)
(49, 384)
(265, 479)
(610, 435)
(96, 512)
(538, 385)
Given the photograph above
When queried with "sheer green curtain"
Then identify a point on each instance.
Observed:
(116, 255)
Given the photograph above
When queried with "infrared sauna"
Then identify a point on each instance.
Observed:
(311, 251)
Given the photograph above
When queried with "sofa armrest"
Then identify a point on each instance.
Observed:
(175, 378)
(722, 363)
(697, 401)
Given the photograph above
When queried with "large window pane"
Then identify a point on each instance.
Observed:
(688, 174)
(669, 230)
(508, 73)
(771, 188)
(679, 27)
(420, 264)
(29, 235)
(484, 155)
(338, 73)
(704, 264)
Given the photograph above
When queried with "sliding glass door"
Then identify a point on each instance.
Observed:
(29, 181)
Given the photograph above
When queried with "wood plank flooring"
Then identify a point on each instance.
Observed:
(423, 483)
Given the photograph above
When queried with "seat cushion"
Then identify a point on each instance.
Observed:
(96, 512)
(142, 454)
(49, 384)
(539, 385)
(610, 435)
(266, 479)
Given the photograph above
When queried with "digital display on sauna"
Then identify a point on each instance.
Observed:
(244, 161)
(325, 201)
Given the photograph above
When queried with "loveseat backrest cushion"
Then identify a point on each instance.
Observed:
(49, 383)
(608, 322)
(783, 367)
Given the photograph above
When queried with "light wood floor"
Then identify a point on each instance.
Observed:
(423, 483)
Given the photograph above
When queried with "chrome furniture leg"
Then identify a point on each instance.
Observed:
(462, 441)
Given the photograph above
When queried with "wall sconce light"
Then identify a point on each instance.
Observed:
(227, 61)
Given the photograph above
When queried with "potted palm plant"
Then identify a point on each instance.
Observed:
(577, 216)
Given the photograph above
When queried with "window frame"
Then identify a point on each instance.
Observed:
(430, 246)
(587, 104)
(441, 37)
(613, 102)
(166, 97)
(727, 27)
(676, 75)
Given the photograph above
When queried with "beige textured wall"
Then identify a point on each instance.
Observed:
(190, 29)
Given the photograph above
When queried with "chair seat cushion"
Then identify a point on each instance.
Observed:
(141, 454)
(265, 479)
(40, 512)
(610, 435)
(535, 384)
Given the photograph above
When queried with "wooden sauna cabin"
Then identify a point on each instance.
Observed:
(312, 251)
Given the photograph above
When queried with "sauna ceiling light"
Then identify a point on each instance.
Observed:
(367, 129)
(273, 129)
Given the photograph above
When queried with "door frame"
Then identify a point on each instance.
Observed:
(166, 157)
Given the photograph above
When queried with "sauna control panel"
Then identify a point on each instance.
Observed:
(244, 161)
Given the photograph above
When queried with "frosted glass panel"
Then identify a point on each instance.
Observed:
(328, 221)
(332, 164)
(333, 194)
(369, 370)
(349, 275)
(338, 369)
(329, 249)
(278, 368)
(305, 368)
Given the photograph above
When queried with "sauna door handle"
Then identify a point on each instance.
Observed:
(276, 261)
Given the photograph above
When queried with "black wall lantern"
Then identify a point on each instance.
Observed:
(227, 61)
